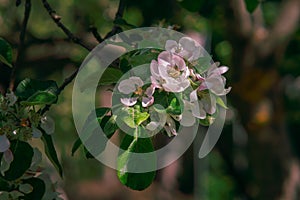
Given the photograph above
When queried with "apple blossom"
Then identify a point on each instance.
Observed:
(214, 81)
(134, 85)
(4, 143)
(170, 72)
(186, 48)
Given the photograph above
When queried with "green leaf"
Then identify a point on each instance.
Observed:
(220, 102)
(174, 107)
(51, 152)
(4, 185)
(109, 127)
(39, 189)
(23, 154)
(87, 127)
(124, 64)
(143, 58)
(5, 52)
(4, 61)
(251, 5)
(110, 76)
(133, 117)
(33, 90)
(40, 98)
(203, 64)
(135, 181)
(76, 145)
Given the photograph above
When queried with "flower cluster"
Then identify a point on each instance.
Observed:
(21, 123)
(175, 72)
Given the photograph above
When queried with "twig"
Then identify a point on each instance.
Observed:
(66, 82)
(285, 25)
(119, 15)
(56, 18)
(242, 16)
(95, 33)
(21, 45)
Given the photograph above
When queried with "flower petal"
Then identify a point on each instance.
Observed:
(171, 46)
(4, 143)
(147, 101)
(149, 91)
(137, 81)
(187, 118)
(129, 101)
(8, 156)
(47, 123)
(170, 127)
(209, 103)
(126, 87)
(194, 96)
(179, 62)
(165, 58)
(187, 43)
(154, 69)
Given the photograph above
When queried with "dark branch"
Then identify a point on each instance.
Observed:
(66, 82)
(94, 31)
(116, 29)
(56, 18)
(21, 45)
(242, 17)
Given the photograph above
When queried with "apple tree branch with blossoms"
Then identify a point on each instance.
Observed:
(185, 84)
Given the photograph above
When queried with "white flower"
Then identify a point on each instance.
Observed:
(12, 98)
(209, 103)
(47, 123)
(170, 126)
(130, 85)
(134, 85)
(4, 143)
(8, 156)
(214, 81)
(170, 73)
(192, 109)
(186, 48)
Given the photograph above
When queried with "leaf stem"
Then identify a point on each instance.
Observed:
(57, 20)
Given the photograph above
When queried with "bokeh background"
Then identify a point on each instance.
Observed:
(257, 156)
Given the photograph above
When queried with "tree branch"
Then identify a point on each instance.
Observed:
(56, 18)
(285, 25)
(21, 45)
(242, 17)
(119, 14)
(95, 33)
(66, 82)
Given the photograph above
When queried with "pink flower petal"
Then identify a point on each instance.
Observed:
(8, 156)
(4, 143)
(147, 101)
(171, 46)
(129, 101)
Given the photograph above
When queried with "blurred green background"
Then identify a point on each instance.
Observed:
(257, 156)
